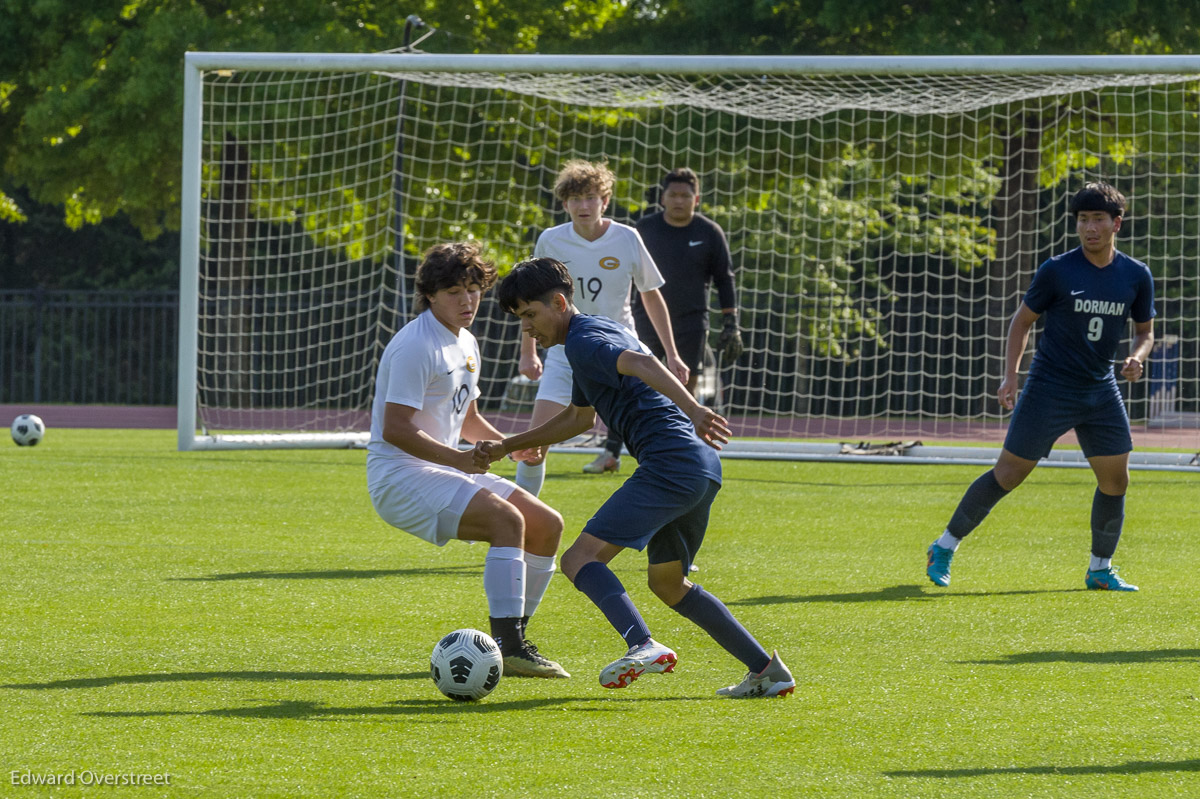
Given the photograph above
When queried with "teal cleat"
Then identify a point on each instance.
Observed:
(937, 564)
(1107, 580)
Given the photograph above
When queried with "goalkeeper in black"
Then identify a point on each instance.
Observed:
(692, 254)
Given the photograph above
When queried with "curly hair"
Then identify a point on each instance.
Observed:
(455, 264)
(582, 177)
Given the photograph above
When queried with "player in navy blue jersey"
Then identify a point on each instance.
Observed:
(663, 507)
(1086, 295)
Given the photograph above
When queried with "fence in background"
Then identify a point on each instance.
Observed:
(88, 347)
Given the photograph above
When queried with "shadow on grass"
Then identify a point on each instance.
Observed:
(1129, 656)
(1132, 767)
(896, 593)
(203, 676)
(331, 574)
(314, 711)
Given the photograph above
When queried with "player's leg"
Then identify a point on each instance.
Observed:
(543, 532)
(553, 395)
(585, 564)
(1038, 421)
(610, 459)
(491, 518)
(670, 553)
(531, 474)
(1107, 443)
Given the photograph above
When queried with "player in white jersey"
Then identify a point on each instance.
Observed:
(605, 258)
(425, 394)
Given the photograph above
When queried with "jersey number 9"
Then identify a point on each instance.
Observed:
(1095, 328)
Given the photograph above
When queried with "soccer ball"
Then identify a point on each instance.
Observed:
(466, 665)
(28, 430)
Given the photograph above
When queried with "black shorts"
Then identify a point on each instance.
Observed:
(689, 341)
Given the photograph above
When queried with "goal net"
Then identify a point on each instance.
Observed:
(885, 217)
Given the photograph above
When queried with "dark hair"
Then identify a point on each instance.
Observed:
(582, 177)
(1098, 197)
(681, 175)
(535, 280)
(448, 265)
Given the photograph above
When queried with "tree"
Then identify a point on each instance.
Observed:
(91, 93)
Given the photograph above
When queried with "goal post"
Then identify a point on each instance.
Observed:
(885, 215)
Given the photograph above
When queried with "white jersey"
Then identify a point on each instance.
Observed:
(603, 269)
(426, 367)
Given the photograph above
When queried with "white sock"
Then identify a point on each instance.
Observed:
(538, 571)
(531, 478)
(504, 582)
(1100, 563)
(948, 541)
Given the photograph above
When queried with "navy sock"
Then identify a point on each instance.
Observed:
(613, 444)
(1108, 516)
(710, 614)
(600, 585)
(976, 504)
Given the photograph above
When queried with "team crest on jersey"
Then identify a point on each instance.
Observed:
(471, 363)
(610, 262)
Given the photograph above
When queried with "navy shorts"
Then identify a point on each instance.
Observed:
(1045, 412)
(666, 516)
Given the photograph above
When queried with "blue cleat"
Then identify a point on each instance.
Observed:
(1107, 580)
(937, 564)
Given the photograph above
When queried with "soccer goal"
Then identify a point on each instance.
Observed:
(885, 216)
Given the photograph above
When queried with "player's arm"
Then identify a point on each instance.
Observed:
(476, 428)
(570, 422)
(1014, 350)
(1139, 350)
(530, 364)
(660, 318)
(712, 428)
(401, 431)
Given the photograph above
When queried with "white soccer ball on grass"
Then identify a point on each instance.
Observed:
(28, 430)
(466, 665)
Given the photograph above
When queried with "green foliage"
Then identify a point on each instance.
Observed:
(245, 622)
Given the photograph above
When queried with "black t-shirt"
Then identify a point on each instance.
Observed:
(690, 258)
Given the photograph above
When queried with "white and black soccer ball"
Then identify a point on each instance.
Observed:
(466, 665)
(28, 430)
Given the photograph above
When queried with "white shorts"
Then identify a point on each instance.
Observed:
(428, 501)
(555, 383)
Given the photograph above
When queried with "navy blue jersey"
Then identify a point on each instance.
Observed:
(1085, 309)
(648, 422)
(690, 258)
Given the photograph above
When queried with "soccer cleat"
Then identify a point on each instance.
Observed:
(774, 680)
(937, 564)
(605, 462)
(528, 662)
(1107, 580)
(650, 657)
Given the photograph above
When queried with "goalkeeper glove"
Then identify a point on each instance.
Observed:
(730, 342)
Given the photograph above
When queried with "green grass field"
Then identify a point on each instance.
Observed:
(243, 622)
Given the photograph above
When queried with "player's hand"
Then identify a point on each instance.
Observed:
(712, 427)
(526, 455)
(468, 461)
(1132, 369)
(487, 452)
(1007, 393)
(678, 368)
(530, 457)
(730, 342)
(530, 366)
